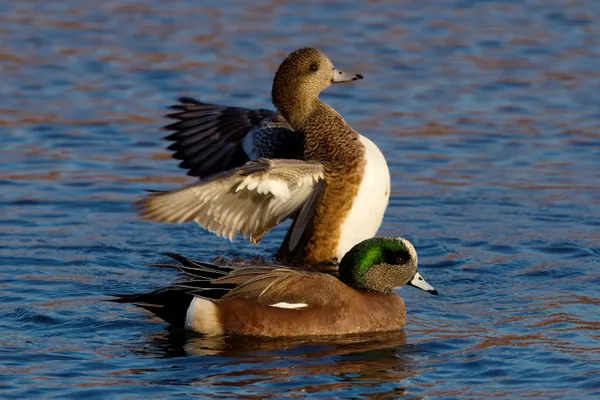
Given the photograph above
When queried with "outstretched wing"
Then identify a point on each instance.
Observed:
(250, 200)
(210, 138)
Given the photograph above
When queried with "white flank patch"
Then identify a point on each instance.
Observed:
(294, 306)
(202, 317)
(372, 199)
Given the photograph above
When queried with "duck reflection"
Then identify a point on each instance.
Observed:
(381, 361)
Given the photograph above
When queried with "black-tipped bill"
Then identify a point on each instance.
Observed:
(341, 76)
(418, 282)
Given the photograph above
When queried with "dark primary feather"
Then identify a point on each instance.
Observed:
(208, 137)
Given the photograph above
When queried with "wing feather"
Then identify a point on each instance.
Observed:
(209, 138)
(285, 285)
(265, 284)
(249, 200)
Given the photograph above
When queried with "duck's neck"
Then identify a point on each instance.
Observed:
(330, 139)
(325, 131)
(295, 104)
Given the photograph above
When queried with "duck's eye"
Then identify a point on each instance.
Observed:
(314, 67)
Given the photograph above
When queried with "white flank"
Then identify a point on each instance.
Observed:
(202, 317)
(368, 208)
(294, 306)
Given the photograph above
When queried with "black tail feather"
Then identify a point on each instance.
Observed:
(197, 269)
(169, 304)
(171, 266)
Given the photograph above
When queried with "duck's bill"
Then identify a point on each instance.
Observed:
(341, 76)
(418, 282)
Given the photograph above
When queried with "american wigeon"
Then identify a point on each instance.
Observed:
(259, 167)
(276, 301)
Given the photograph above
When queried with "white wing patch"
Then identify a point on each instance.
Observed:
(276, 187)
(294, 306)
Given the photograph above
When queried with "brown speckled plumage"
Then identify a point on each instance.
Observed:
(386, 277)
(322, 134)
(329, 140)
(343, 161)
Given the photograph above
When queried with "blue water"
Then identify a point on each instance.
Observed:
(487, 112)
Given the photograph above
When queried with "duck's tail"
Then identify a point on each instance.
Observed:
(168, 304)
(172, 303)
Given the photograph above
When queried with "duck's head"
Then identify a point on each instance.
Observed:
(302, 76)
(382, 264)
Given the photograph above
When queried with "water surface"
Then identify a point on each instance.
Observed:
(487, 112)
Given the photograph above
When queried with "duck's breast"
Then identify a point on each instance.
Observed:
(366, 214)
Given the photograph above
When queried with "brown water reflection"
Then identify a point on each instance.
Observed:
(357, 361)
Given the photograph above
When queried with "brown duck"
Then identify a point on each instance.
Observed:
(258, 167)
(276, 301)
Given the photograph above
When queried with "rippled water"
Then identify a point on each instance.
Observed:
(487, 112)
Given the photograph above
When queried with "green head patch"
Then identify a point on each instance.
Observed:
(357, 262)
